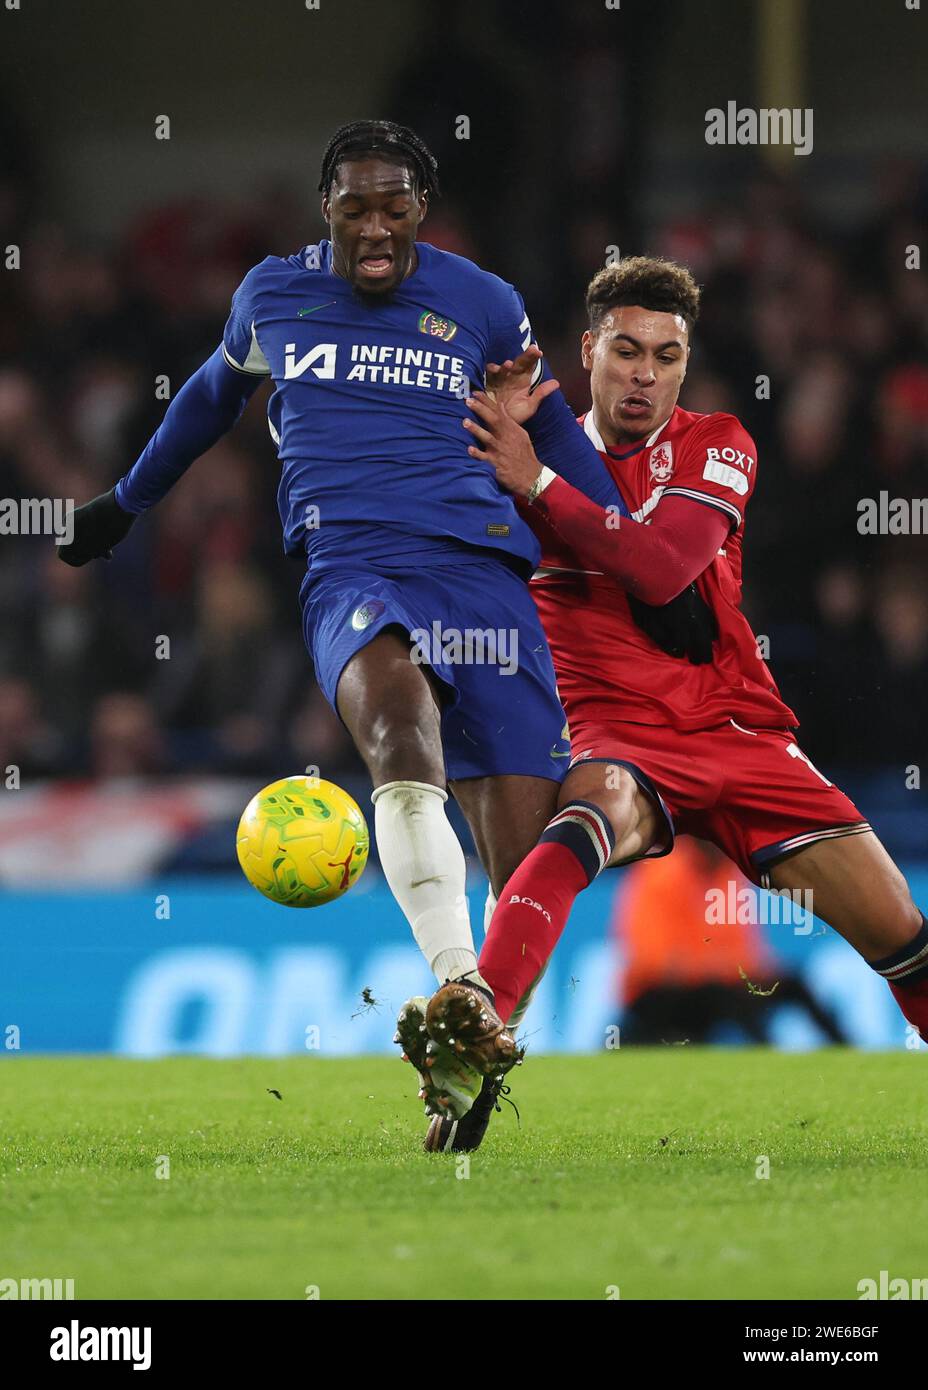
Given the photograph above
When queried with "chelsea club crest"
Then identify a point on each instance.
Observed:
(437, 327)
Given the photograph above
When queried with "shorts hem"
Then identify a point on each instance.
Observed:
(769, 855)
(548, 776)
(648, 787)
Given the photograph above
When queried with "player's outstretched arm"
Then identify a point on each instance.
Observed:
(654, 563)
(565, 449)
(551, 424)
(96, 527)
(204, 409)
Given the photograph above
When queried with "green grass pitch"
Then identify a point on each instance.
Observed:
(632, 1171)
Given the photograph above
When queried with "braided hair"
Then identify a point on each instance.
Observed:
(396, 143)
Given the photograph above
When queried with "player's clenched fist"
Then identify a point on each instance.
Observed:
(503, 443)
(98, 526)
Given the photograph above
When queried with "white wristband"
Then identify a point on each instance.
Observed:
(546, 476)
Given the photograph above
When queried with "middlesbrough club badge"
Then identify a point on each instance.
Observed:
(661, 462)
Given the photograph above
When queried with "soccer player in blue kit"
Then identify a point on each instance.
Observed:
(372, 341)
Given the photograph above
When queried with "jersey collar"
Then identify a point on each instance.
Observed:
(593, 434)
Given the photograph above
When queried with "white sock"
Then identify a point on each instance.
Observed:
(424, 865)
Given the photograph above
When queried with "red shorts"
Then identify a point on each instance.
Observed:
(753, 793)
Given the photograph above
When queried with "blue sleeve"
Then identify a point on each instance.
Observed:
(240, 345)
(558, 440)
(204, 409)
(562, 445)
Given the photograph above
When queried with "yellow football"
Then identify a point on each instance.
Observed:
(302, 841)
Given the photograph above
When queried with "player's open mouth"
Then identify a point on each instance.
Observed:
(635, 405)
(375, 266)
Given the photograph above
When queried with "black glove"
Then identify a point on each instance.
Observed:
(686, 626)
(98, 526)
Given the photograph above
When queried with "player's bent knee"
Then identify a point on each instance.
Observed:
(609, 786)
(905, 908)
(636, 820)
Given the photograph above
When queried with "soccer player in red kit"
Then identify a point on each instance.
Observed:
(661, 746)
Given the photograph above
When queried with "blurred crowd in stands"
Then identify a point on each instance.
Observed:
(828, 313)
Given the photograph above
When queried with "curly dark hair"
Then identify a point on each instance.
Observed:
(396, 143)
(648, 281)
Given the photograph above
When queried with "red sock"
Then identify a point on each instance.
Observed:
(534, 906)
(913, 1001)
(906, 973)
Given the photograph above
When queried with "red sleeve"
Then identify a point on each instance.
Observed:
(716, 466)
(654, 562)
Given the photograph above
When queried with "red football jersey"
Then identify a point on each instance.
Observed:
(607, 668)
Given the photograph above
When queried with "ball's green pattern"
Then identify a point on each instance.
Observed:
(302, 841)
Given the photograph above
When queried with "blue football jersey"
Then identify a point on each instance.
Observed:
(368, 402)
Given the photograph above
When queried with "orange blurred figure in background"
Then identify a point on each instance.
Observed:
(682, 978)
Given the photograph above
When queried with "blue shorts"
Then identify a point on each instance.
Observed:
(475, 624)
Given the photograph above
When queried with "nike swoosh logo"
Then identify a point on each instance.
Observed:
(555, 753)
(302, 313)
